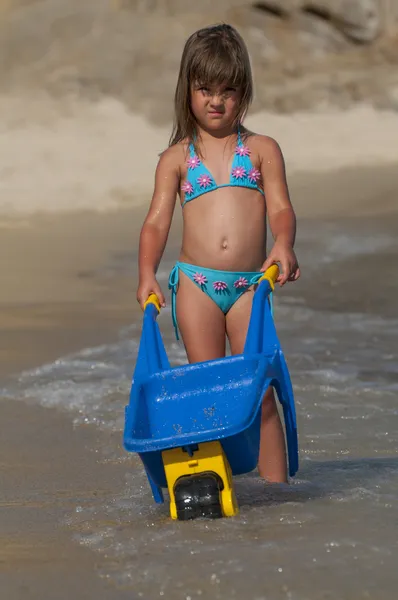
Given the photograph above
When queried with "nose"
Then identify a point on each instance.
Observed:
(217, 100)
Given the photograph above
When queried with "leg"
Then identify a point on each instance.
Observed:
(201, 322)
(272, 463)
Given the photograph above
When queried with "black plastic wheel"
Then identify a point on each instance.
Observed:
(198, 496)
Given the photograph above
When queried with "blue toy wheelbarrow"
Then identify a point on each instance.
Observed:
(196, 426)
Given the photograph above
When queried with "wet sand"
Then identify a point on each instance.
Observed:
(57, 297)
(54, 301)
(48, 469)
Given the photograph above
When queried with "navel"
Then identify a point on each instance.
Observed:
(224, 244)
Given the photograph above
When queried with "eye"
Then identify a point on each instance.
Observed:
(205, 91)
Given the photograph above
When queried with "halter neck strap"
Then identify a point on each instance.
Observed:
(239, 136)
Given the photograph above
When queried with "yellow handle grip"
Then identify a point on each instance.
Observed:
(153, 299)
(271, 275)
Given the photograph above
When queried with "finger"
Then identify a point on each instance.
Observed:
(142, 297)
(266, 265)
(295, 274)
(141, 301)
(285, 273)
(160, 295)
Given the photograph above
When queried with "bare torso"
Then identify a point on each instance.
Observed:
(226, 228)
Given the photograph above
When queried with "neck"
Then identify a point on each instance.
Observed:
(220, 134)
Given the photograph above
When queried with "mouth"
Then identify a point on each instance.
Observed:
(215, 113)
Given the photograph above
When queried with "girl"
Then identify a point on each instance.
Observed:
(228, 180)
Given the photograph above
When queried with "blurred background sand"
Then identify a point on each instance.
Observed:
(86, 94)
(86, 91)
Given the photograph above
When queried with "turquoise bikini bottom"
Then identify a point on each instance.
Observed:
(223, 287)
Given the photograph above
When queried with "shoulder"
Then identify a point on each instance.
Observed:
(171, 160)
(266, 146)
(168, 169)
(174, 155)
(269, 155)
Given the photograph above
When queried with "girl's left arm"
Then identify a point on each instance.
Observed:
(282, 218)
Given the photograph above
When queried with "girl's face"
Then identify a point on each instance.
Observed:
(215, 106)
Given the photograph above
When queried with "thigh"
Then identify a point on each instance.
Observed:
(237, 321)
(201, 322)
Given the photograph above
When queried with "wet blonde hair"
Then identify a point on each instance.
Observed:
(211, 56)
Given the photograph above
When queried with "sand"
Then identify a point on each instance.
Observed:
(51, 283)
(54, 299)
(75, 183)
(72, 155)
(42, 482)
(57, 297)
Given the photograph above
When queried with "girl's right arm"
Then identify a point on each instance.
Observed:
(156, 227)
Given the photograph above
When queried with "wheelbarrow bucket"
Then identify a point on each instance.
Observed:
(219, 401)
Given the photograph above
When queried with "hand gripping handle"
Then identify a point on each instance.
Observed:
(271, 275)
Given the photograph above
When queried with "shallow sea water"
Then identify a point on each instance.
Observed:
(332, 533)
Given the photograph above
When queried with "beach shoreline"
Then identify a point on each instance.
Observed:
(58, 270)
(63, 291)
(55, 268)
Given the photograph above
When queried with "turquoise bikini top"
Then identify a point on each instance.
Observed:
(200, 181)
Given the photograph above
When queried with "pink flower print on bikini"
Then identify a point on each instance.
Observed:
(204, 181)
(200, 279)
(238, 172)
(187, 187)
(220, 286)
(193, 162)
(241, 283)
(242, 150)
(254, 175)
